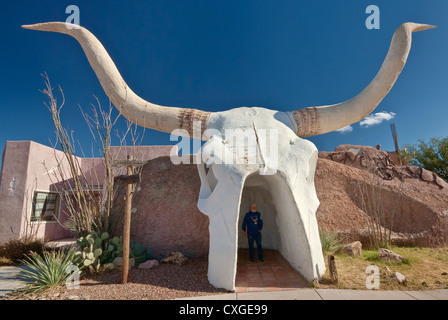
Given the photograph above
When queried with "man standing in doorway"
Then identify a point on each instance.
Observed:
(252, 226)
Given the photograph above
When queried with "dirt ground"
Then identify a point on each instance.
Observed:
(165, 282)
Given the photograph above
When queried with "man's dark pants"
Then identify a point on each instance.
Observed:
(257, 238)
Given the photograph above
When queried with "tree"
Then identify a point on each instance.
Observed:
(88, 208)
(431, 155)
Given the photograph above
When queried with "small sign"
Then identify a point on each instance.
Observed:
(129, 179)
(134, 163)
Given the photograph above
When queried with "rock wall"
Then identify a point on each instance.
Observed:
(165, 217)
(410, 201)
(384, 164)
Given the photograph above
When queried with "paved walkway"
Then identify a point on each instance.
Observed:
(330, 294)
(8, 279)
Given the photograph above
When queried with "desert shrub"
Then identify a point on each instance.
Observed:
(16, 250)
(5, 261)
(330, 241)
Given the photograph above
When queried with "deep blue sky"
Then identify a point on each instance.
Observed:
(217, 55)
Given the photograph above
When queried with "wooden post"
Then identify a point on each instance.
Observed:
(127, 225)
(332, 269)
(129, 179)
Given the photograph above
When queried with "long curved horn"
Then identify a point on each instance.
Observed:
(134, 108)
(318, 120)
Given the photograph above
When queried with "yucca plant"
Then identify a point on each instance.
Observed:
(49, 270)
(329, 241)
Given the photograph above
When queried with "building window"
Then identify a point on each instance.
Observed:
(45, 206)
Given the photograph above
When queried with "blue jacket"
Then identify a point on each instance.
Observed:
(252, 222)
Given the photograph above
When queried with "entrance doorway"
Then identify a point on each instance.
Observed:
(273, 201)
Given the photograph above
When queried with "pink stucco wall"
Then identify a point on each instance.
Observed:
(13, 188)
(28, 167)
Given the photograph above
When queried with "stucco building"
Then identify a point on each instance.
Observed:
(31, 188)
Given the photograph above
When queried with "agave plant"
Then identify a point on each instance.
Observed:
(330, 241)
(49, 270)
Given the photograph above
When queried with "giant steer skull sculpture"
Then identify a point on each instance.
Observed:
(284, 169)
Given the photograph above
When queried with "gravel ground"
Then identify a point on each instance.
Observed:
(165, 282)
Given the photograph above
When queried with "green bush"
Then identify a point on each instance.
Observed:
(48, 270)
(329, 241)
(431, 155)
(138, 252)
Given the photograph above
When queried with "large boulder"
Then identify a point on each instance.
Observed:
(400, 277)
(175, 258)
(149, 264)
(389, 256)
(353, 249)
(118, 262)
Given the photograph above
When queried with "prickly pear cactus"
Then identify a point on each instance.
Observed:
(92, 251)
(98, 251)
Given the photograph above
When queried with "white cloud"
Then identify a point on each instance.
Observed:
(376, 118)
(346, 129)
